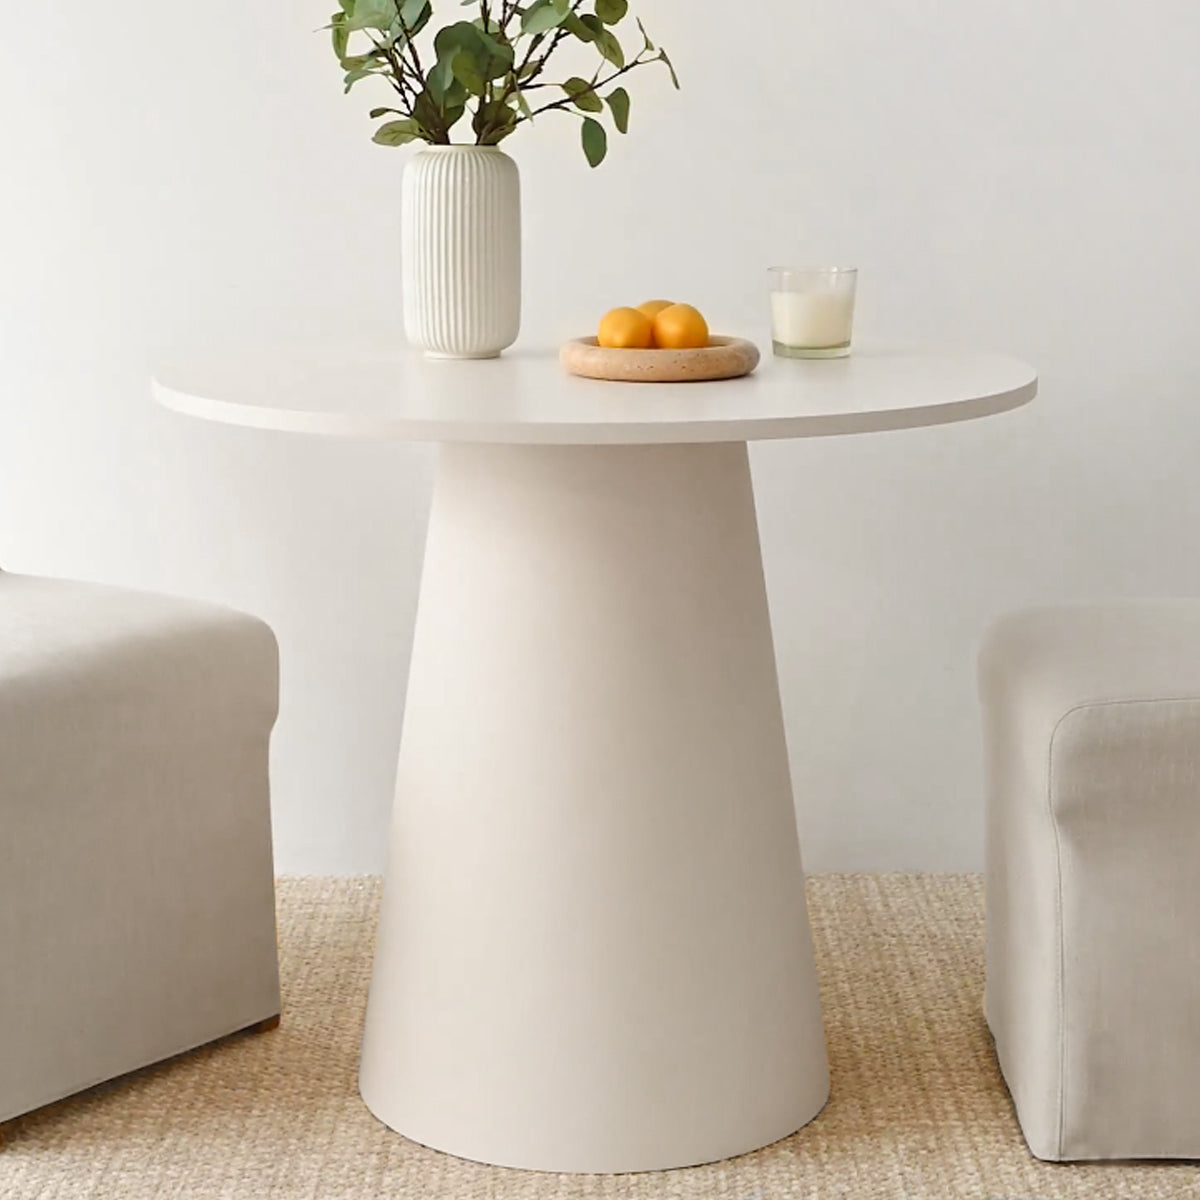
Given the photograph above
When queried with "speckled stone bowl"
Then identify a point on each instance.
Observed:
(722, 358)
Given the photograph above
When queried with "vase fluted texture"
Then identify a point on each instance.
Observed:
(461, 251)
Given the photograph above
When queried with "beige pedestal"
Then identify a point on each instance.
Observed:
(594, 952)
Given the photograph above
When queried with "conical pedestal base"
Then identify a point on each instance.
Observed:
(594, 952)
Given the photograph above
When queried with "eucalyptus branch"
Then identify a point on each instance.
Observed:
(533, 45)
(401, 89)
(568, 102)
(559, 34)
(396, 77)
(409, 42)
(486, 68)
(508, 10)
(415, 77)
(514, 81)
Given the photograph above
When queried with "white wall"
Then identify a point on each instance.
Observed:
(1019, 175)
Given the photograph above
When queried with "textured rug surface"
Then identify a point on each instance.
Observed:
(918, 1110)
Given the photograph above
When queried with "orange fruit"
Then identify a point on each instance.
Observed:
(653, 307)
(680, 327)
(625, 329)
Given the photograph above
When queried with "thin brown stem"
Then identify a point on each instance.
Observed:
(566, 102)
(410, 44)
(513, 83)
(559, 34)
(396, 76)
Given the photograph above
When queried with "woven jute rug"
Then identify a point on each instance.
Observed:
(918, 1111)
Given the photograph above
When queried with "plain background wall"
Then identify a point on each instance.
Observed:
(1018, 175)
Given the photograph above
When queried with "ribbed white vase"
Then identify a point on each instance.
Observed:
(461, 248)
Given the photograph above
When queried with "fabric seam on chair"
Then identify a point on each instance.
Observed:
(1192, 698)
(1058, 916)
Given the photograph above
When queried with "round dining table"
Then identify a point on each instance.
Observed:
(593, 950)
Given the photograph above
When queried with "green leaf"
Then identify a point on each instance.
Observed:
(466, 69)
(371, 14)
(579, 28)
(376, 113)
(610, 48)
(397, 133)
(582, 95)
(441, 113)
(475, 55)
(470, 55)
(645, 35)
(414, 14)
(611, 11)
(493, 122)
(352, 77)
(428, 112)
(662, 54)
(523, 105)
(340, 34)
(454, 108)
(468, 74)
(441, 76)
(452, 38)
(595, 141)
(618, 101)
(500, 55)
(541, 16)
(606, 42)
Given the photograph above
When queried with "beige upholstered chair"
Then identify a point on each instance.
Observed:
(137, 913)
(1092, 743)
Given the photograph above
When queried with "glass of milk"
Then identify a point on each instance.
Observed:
(812, 311)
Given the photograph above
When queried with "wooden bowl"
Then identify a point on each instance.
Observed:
(722, 358)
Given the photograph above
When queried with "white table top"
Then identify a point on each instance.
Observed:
(526, 397)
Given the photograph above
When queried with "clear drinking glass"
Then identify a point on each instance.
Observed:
(812, 311)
